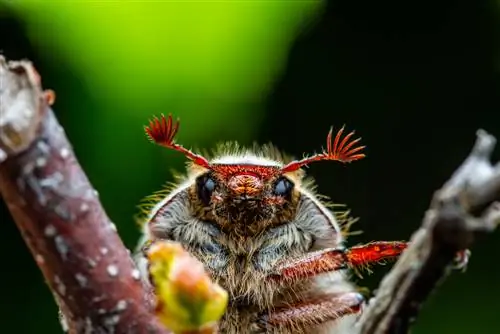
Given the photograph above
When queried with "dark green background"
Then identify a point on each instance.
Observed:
(415, 79)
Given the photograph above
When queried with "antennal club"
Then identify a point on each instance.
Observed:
(162, 131)
(342, 150)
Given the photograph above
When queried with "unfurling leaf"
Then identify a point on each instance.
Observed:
(187, 299)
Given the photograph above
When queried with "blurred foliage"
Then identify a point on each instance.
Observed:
(211, 63)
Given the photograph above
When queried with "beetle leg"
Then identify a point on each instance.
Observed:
(333, 259)
(308, 314)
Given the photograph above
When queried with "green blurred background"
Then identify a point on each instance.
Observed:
(415, 79)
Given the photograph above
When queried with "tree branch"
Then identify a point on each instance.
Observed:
(60, 217)
(461, 210)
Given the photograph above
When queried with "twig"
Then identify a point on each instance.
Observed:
(60, 217)
(462, 209)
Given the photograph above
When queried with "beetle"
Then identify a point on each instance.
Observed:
(256, 223)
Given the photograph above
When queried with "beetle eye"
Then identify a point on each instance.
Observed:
(206, 186)
(283, 187)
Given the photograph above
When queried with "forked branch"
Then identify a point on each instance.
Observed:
(58, 212)
(464, 208)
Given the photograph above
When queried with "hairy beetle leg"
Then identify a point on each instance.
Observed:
(334, 259)
(313, 312)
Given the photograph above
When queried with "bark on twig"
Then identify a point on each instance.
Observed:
(465, 207)
(60, 217)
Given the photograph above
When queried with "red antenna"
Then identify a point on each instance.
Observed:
(345, 151)
(162, 132)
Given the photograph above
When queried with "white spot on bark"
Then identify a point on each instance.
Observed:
(112, 226)
(39, 259)
(63, 212)
(63, 322)
(136, 274)
(52, 181)
(82, 280)
(91, 263)
(62, 246)
(121, 306)
(104, 251)
(41, 161)
(42, 146)
(112, 270)
(98, 299)
(84, 207)
(61, 288)
(91, 194)
(64, 153)
(28, 168)
(112, 321)
(50, 231)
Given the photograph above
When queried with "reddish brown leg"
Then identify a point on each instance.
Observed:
(333, 259)
(314, 312)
